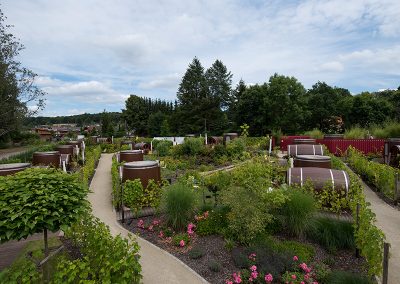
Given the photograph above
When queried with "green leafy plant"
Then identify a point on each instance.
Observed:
(136, 197)
(37, 200)
(107, 259)
(179, 202)
(162, 148)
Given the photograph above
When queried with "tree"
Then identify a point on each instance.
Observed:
(219, 81)
(165, 130)
(200, 98)
(107, 128)
(19, 96)
(154, 123)
(37, 200)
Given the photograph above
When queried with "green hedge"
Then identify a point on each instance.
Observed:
(92, 155)
(369, 238)
(380, 175)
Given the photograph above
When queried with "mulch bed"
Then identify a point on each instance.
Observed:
(214, 248)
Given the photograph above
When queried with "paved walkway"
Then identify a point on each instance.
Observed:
(158, 266)
(388, 220)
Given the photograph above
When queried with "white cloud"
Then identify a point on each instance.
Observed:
(107, 49)
(333, 66)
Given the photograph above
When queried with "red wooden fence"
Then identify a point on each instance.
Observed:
(339, 146)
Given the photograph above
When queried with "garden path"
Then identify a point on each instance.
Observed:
(388, 220)
(158, 266)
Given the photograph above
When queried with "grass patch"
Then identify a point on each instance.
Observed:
(333, 234)
(342, 277)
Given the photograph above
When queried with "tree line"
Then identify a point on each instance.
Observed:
(207, 101)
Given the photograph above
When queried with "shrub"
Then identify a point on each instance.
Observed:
(297, 212)
(315, 133)
(321, 271)
(191, 147)
(196, 253)
(355, 132)
(162, 148)
(251, 199)
(304, 252)
(179, 202)
(235, 148)
(136, 197)
(333, 234)
(216, 222)
(39, 199)
(106, 259)
(340, 277)
(214, 265)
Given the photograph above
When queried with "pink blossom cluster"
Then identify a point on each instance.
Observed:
(155, 223)
(190, 228)
(305, 268)
(201, 217)
(140, 224)
(254, 273)
(252, 257)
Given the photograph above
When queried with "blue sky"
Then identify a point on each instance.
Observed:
(90, 55)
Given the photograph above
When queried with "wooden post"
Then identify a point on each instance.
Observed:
(385, 273)
(358, 226)
(46, 244)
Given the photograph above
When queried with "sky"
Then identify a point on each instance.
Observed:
(90, 55)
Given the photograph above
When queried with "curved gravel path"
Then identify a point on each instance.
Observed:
(158, 266)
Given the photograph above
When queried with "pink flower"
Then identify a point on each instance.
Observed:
(237, 278)
(250, 279)
(182, 243)
(150, 228)
(268, 278)
(295, 258)
(254, 274)
(205, 214)
(161, 234)
(306, 276)
(315, 282)
(156, 222)
(252, 257)
(228, 282)
(190, 228)
(253, 268)
(140, 224)
(294, 276)
(302, 282)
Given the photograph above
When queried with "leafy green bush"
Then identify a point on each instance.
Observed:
(216, 222)
(235, 148)
(333, 234)
(106, 259)
(251, 199)
(179, 202)
(37, 199)
(136, 197)
(387, 130)
(116, 183)
(297, 213)
(191, 147)
(340, 277)
(162, 148)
